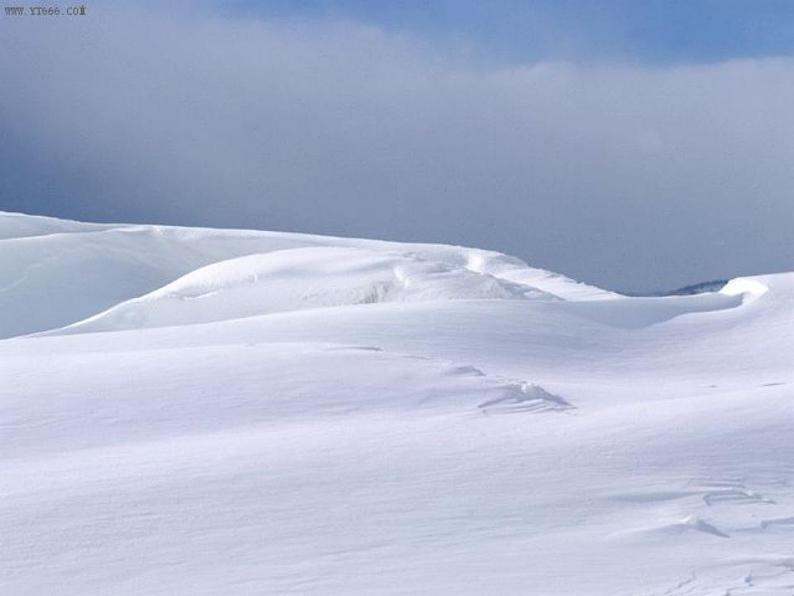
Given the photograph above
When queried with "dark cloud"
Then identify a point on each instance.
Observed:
(627, 176)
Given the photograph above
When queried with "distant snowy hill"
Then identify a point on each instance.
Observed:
(699, 288)
(200, 411)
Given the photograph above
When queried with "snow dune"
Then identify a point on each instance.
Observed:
(194, 411)
(300, 278)
(54, 273)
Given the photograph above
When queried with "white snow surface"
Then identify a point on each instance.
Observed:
(198, 411)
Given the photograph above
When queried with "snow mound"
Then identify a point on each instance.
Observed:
(54, 272)
(747, 287)
(301, 278)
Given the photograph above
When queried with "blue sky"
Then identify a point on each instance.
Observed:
(638, 145)
(647, 31)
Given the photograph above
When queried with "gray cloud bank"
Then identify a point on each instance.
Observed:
(630, 177)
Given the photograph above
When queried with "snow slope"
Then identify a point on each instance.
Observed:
(258, 413)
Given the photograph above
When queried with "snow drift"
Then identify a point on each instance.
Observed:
(300, 278)
(54, 273)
